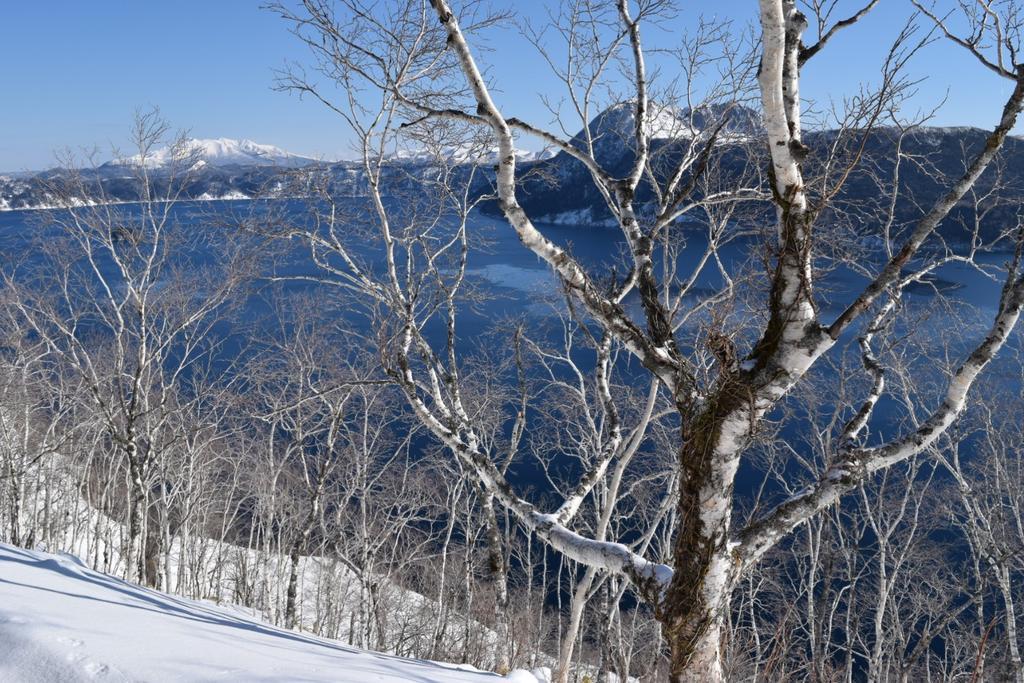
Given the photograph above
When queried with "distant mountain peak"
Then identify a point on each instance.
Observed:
(228, 152)
(616, 122)
(612, 130)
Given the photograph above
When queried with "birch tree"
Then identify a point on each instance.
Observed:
(121, 299)
(410, 67)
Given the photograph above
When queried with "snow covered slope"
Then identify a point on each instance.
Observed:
(60, 621)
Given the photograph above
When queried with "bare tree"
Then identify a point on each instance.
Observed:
(122, 298)
(410, 66)
(985, 463)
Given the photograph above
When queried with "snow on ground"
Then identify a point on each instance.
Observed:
(60, 621)
(218, 571)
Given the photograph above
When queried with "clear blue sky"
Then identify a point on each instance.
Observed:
(75, 70)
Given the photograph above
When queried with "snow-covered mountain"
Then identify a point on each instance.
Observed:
(612, 130)
(562, 191)
(60, 621)
(227, 152)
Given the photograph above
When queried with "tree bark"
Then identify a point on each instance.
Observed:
(499, 579)
(134, 556)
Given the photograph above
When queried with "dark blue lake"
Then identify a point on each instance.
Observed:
(514, 284)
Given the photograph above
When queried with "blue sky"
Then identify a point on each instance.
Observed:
(74, 71)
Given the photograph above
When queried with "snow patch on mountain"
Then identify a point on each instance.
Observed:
(232, 195)
(462, 154)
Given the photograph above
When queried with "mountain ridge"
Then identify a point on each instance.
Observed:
(553, 188)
